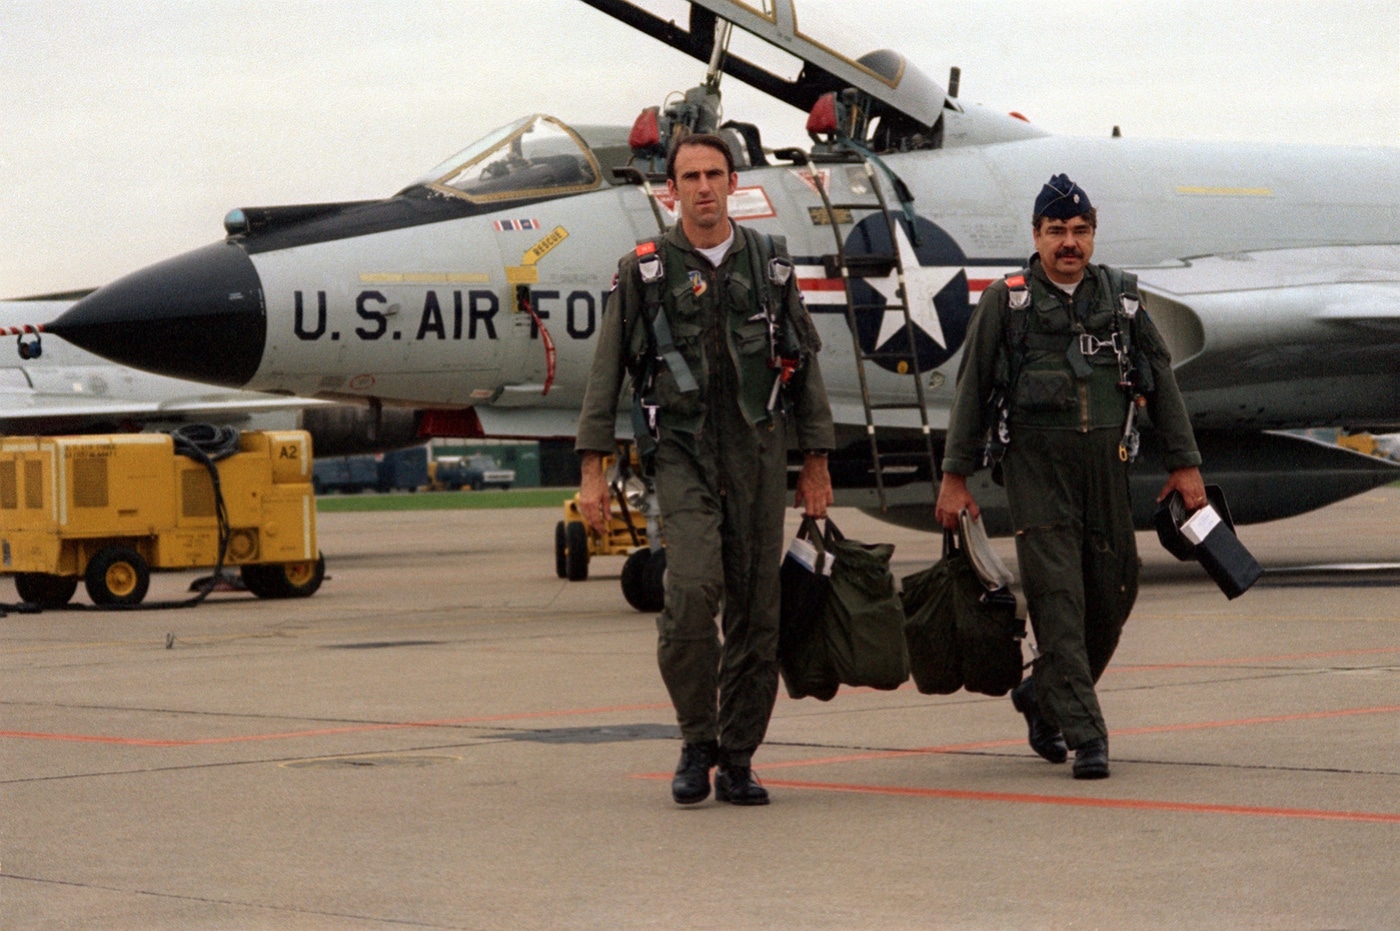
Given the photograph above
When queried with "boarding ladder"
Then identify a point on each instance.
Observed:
(907, 361)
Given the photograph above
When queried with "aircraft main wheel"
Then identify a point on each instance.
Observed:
(45, 590)
(117, 575)
(575, 551)
(285, 580)
(561, 550)
(643, 576)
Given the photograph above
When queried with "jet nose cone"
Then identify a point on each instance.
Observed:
(198, 316)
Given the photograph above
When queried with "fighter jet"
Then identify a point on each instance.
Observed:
(476, 289)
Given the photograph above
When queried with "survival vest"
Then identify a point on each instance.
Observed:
(1059, 372)
(666, 355)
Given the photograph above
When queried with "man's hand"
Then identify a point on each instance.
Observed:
(814, 493)
(953, 497)
(1188, 481)
(594, 498)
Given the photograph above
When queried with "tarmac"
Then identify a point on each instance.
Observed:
(449, 736)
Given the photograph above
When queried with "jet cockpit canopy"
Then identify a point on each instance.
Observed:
(535, 156)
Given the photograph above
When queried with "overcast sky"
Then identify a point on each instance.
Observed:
(128, 129)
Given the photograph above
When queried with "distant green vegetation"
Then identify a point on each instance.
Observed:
(446, 500)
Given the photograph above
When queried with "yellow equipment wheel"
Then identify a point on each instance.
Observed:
(117, 575)
(576, 551)
(285, 580)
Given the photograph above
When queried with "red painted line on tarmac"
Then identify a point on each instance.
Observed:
(327, 731)
(91, 738)
(1088, 802)
(1282, 657)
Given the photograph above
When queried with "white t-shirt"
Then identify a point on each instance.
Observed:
(716, 255)
(1067, 288)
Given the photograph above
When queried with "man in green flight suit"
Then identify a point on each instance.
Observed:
(1064, 353)
(728, 367)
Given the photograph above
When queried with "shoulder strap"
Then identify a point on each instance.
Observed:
(760, 249)
(1017, 291)
(771, 268)
(1129, 297)
(1125, 286)
(651, 266)
(1016, 323)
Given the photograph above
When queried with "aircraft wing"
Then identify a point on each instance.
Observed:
(1300, 324)
(16, 405)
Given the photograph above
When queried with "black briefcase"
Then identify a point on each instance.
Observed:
(803, 655)
(1208, 536)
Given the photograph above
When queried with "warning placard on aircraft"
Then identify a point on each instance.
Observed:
(745, 203)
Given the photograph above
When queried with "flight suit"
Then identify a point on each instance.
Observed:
(721, 479)
(1066, 483)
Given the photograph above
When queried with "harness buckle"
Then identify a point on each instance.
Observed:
(1091, 345)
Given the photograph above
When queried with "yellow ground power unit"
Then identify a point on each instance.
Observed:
(643, 573)
(109, 509)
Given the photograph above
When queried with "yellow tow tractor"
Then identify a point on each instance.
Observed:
(109, 509)
(633, 513)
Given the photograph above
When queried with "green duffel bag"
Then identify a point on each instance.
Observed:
(930, 628)
(864, 622)
(987, 631)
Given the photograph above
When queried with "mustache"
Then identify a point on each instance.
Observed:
(1069, 252)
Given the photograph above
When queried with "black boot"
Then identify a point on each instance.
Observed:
(1091, 759)
(1042, 736)
(692, 781)
(737, 785)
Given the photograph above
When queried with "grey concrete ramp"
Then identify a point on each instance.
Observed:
(449, 736)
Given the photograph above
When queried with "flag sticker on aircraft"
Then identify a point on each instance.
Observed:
(503, 226)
